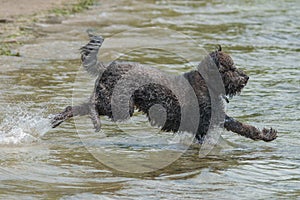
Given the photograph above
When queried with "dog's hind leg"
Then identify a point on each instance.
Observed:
(249, 131)
(69, 112)
(72, 111)
(95, 117)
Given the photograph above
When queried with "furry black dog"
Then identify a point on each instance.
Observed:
(146, 89)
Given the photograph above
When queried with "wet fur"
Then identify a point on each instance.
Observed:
(148, 95)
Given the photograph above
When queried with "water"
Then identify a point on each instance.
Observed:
(22, 126)
(39, 162)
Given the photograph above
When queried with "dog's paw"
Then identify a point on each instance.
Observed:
(61, 117)
(56, 120)
(268, 134)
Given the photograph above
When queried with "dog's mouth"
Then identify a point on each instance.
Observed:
(240, 87)
(233, 90)
(234, 82)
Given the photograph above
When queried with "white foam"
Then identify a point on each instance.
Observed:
(22, 125)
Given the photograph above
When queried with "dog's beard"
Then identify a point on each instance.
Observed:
(232, 89)
(234, 82)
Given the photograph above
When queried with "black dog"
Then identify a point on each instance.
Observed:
(147, 90)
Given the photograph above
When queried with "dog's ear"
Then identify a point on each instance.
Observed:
(219, 47)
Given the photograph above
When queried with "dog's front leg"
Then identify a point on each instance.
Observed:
(249, 131)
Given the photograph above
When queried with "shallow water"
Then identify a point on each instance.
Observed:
(73, 162)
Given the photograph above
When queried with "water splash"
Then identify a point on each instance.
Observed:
(22, 125)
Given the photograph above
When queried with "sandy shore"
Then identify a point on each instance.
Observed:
(18, 17)
(12, 8)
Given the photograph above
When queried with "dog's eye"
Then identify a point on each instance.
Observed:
(224, 68)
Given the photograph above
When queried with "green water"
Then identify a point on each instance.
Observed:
(73, 162)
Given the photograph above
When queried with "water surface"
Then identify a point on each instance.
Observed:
(39, 162)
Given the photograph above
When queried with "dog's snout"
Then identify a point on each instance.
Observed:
(243, 76)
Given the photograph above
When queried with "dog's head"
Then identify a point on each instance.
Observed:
(234, 79)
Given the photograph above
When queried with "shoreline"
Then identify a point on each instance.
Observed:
(13, 8)
(17, 21)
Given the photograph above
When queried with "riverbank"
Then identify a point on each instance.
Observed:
(13, 8)
(18, 20)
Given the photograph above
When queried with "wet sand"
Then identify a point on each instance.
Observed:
(18, 17)
(13, 8)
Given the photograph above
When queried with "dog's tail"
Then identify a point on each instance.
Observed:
(89, 55)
